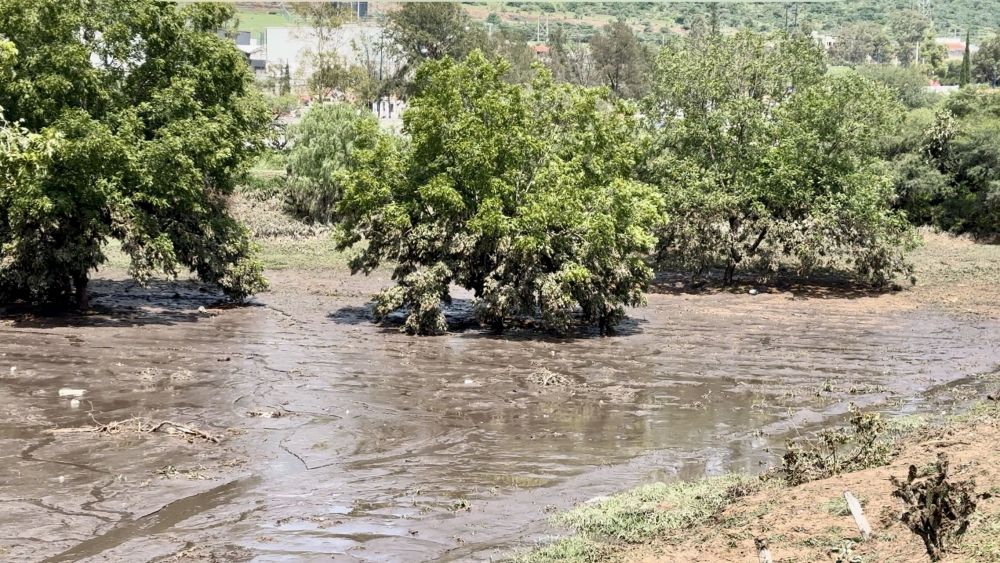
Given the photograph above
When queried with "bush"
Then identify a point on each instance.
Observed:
(908, 84)
(520, 194)
(838, 451)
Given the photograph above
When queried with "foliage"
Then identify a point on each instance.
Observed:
(948, 174)
(986, 62)
(761, 157)
(571, 61)
(861, 42)
(937, 510)
(909, 84)
(839, 450)
(134, 121)
(320, 150)
(520, 194)
(621, 61)
(573, 549)
(432, 31)
(285, 82)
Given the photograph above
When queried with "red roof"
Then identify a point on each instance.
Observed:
(541, 49)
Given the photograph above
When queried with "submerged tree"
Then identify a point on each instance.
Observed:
(520, 194)
(761, 157)
(131, 122)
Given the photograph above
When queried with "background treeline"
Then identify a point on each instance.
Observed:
(551, 185)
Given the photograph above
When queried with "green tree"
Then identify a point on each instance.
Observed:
(908, 29)
(986, 63)
(135, 119)
(761, 158)
(321, 146)
(621, 60)
(966, 75)
(571, 61)
(521, 194)
(859, 43)
(433, 31)
(962, 146)
(285, 86)
(908, 83)
(325, 20)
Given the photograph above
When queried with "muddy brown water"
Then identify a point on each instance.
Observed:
(394, 448)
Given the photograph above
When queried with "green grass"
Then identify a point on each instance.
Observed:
(576, 549)
(650, 510)
(982, 542)
(639, 515)
(313, 253)
(257, 20)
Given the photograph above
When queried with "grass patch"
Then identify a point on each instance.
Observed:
(641, 514)
(314, 253)
(575, 549)
(837, 506)
(982, 542)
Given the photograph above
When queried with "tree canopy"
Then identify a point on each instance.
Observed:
(127, 120)
(521, 194)
(761, 158)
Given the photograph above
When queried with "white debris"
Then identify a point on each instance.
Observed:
(13, 369)
(469, 382)
(202, 310)
(753, 292)
(74, 403)
(67, 392)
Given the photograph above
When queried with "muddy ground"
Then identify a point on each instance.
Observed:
(340, 439)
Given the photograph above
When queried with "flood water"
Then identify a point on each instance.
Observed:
(396, 448)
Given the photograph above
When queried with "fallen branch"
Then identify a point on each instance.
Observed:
(137, 425)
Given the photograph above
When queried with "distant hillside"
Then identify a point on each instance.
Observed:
(950, 17)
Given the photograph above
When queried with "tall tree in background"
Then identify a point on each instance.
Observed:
(986, 63)
(431, 30)
(325, 19)
(285, 85)
(859, 43)
(621, 60)
(908, 29)
(136, 120)
(966, 75)
(762, 157)
(572, 61)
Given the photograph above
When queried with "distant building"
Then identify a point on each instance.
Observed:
(955, 46)
(294, 46)
(251, 48)
(541, 51)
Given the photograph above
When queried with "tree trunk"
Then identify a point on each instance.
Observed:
(727, 277)
(82, 298)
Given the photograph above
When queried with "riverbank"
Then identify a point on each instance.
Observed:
(724, 518)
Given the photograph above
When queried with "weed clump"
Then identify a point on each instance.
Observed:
(863, 445)
(937, 510)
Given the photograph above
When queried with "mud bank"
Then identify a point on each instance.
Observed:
(343, 439)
